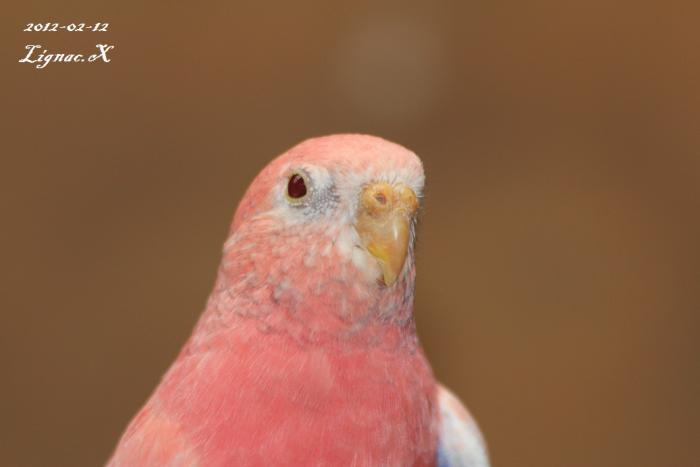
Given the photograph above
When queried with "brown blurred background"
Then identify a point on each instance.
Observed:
(558, 289)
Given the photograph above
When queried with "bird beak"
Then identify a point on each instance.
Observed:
(384, 225)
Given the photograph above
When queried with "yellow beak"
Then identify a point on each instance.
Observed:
(384, 225)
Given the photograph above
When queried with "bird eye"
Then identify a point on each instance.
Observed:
(296, 187)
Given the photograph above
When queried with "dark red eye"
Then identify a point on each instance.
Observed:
(296, 188)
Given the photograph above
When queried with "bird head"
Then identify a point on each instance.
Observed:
(326, 230)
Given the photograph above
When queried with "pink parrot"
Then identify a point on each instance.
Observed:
(306, 353)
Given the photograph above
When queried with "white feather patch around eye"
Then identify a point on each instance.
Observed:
(318, 179)
(319, 201)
